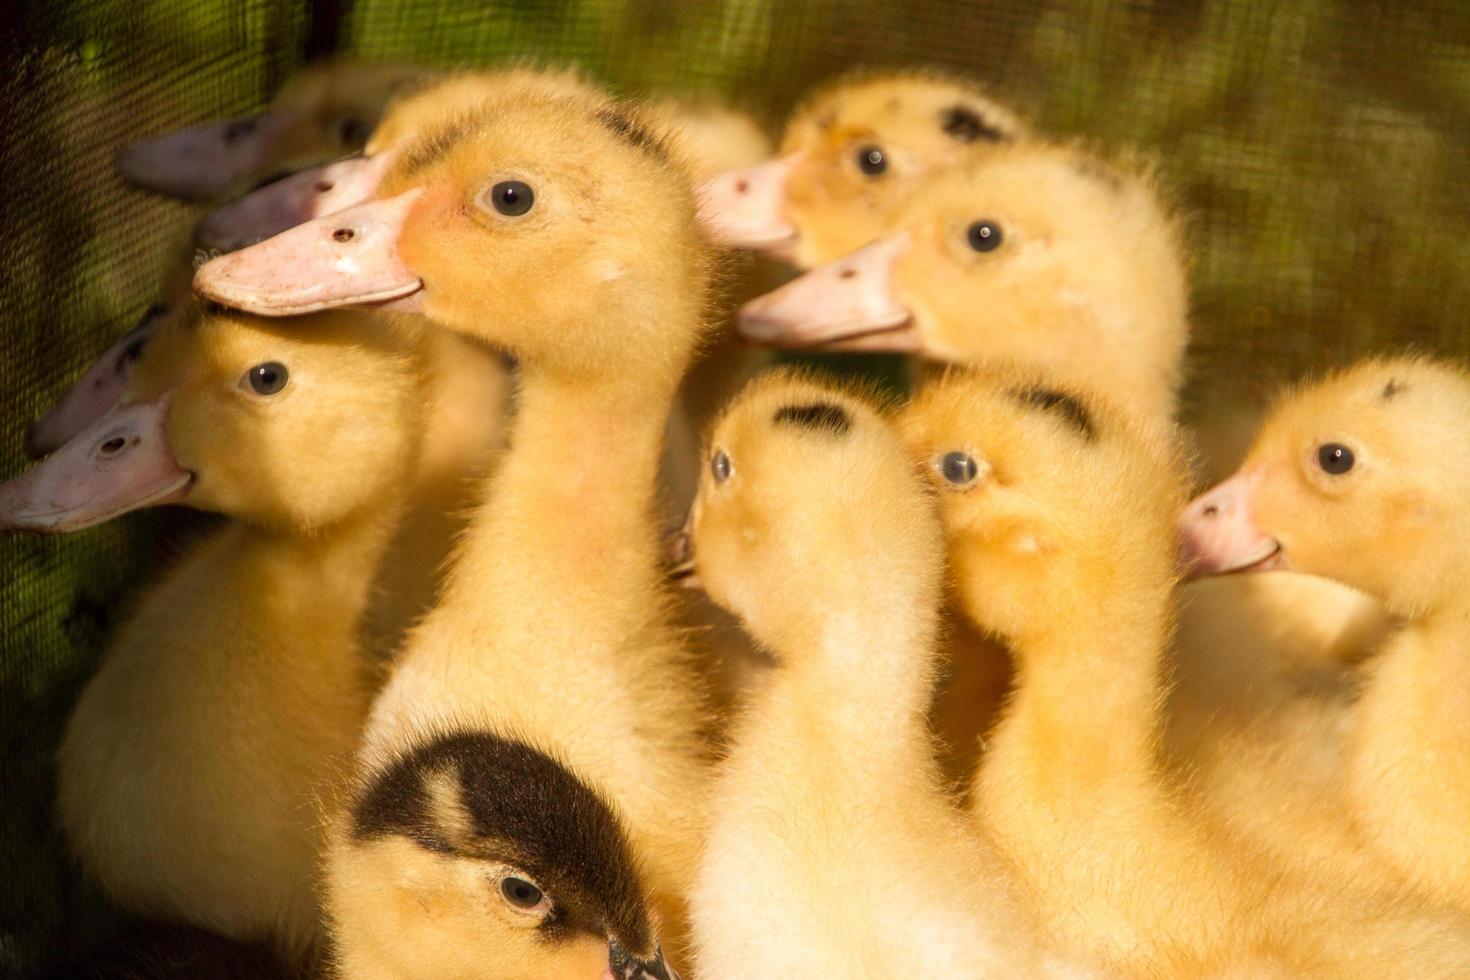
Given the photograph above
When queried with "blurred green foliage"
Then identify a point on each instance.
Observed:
(1318, 149)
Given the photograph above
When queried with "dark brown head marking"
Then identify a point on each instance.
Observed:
(968, 126)
(817, 415)
(518, 806)
(1393, 388)
(1060, 404)
(630, 132)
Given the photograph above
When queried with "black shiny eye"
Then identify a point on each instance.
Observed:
(719, 465)
(352, 131)
(520, 892)
(267, 378)
(512, 198)
(984, 236)
(871, 160)
(134, 348)
(958, 468)
(1335, 458)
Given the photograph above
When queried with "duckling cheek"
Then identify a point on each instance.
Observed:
(291, 201)
(851, 301)
(746, 208)
(345, 259)
(205, 161)
(120, 463)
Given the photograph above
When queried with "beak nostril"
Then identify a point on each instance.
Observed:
(847, 273)
(1212, 511)
(741, 186)
(322, 186)
(113, 446)
(343, 235)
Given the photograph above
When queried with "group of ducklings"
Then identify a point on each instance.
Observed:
(429, 706)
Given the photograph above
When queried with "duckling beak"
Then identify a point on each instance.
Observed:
(344, 259)
(622, 965)
(1218, 532)
(850, 303)
(89, 397)
(292, 200)
(205, 162)
(746, 208)
(680, 549)
(119, 463)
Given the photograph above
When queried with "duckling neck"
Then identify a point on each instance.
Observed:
(1088, 694)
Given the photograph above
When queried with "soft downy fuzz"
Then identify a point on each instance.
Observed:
(834, 850)
(562, 231)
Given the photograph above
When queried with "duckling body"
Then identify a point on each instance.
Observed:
(834, 849)
(192, 767)
(552, 629)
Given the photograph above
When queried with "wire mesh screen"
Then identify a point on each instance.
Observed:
(1318, 150)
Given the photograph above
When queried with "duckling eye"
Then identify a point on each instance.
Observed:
(1335, 458)
(958, 468)
(521, 893)
(719, 466)
(352, 131)
(512, 198)
(984, 235)
(871, 160)
(267, 378)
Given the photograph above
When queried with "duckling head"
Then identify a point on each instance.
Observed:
(1358, 478)
(809, 508)
(558, 229)
(850, 156)
(475, 855)
(326, 111)
(1048, 498)
(1029, 256)
(327, 189)
(297, 428)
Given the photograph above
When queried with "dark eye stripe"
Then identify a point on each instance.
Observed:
(818, 415)
(1061, 404)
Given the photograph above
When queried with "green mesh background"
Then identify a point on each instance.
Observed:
(1320, 150)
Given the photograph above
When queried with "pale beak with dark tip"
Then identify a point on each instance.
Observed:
(623, 966)
(1218, 534)
(204, 162)
(680, 548)
(345, 259)
(286, 203)
(850, 304)
(89, 397)
(746, 208)
(120, 463)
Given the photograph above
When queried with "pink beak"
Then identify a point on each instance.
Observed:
(849, 303)
(206, 161)
(345, 259)
(292, 200)
(1218, 532)
(119, 463)
(90, 397)
(746, 208)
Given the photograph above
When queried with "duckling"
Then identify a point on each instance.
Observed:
(1059, 515)
(849, 159)
(812, 526)
(281, 204)
(1032, 256)
(325, 111)
(190, 768)
(552, 631)
(1358, 478)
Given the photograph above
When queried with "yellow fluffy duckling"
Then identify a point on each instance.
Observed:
(192, 766)
(850, 156)
(1358, 478)
(834, 849)
(325, 111)
(564, 232)
(1059, 515)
